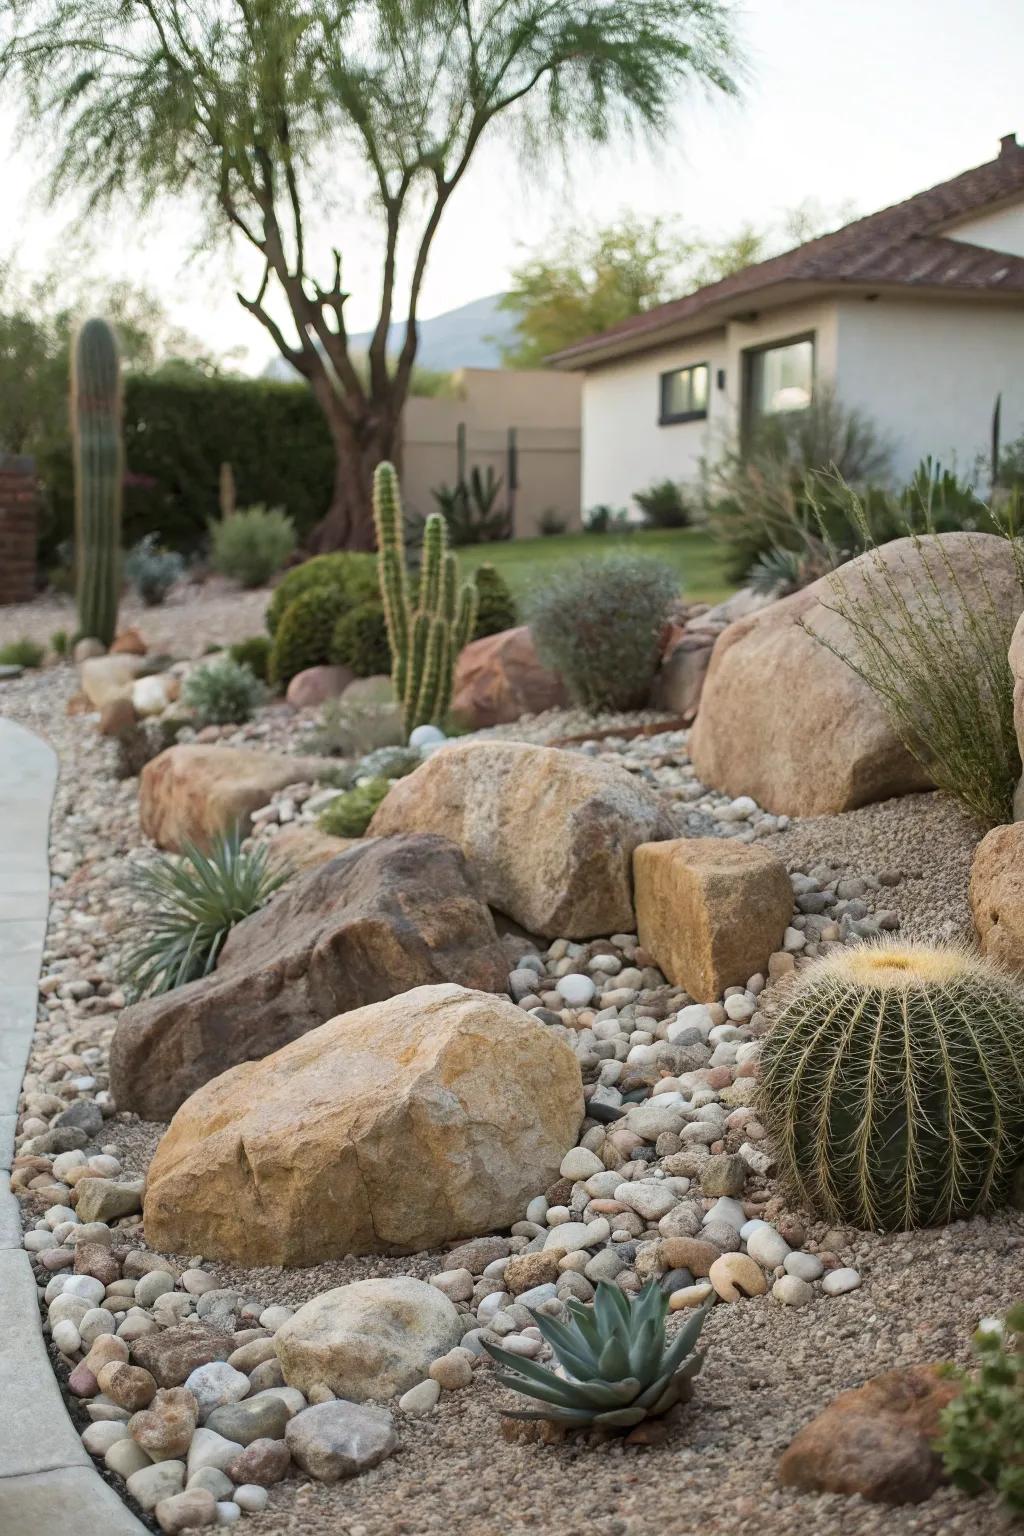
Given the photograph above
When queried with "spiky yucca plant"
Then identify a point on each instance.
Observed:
(616, 1368)
(191, 904)
(892, 1083)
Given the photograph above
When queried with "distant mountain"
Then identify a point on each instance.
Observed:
(468, 337)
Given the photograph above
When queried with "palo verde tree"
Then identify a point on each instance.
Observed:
(255, 105)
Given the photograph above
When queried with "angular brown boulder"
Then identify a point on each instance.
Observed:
(385, 916)
(680, 678)
(876, 1441)
(710, 911)
(191, 793)
(785, 720)
(996, 894)
(500, 678)
(549, 835)
(434, 1115)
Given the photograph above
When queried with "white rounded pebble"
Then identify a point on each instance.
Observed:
(767, 1247)
(792, 1291)
(99, 1437)
(157, 1283)
(215, 1385)
(67, 1338)
(425, 736)
(86, 1288)
(806, 1266)
(537, 1211)
(96, 1322)
(575, 990)
(839, 1281)
(580, 1164)
(37, 1242)
(228, 1512)
(274, 1317)
(252, 1497)
(749, 1227)
(421, 1398)
(739, 1008)
(728, 1210)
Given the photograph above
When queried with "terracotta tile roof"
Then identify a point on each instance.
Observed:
(903, 245)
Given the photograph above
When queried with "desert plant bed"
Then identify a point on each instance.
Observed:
(798, 1308)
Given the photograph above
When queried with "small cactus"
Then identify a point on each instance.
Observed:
(99, 473)
(892, 1083)
(425, 638)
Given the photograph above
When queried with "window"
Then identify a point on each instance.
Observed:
(781, 378)
(684, 394)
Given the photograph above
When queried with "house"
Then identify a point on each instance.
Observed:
(914, 314)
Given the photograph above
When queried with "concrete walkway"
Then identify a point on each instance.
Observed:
(47, 1478)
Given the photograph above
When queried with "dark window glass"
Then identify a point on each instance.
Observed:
(684, 393)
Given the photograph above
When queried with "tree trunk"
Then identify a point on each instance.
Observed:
(359, 447)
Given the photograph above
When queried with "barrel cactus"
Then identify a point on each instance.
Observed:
(892, 1082)
(99, 472)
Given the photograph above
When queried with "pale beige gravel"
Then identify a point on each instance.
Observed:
(768, 1369)
(193, 618)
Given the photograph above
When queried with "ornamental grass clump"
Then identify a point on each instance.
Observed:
(251, 545)
(615, 1368)
(599, 622)
(187, 906)
(937, 659)
(892, 1083)
(982, 1440)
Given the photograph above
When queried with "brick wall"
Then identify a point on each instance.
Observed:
(17, 529)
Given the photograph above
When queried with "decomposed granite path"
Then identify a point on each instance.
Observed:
(47, 1479)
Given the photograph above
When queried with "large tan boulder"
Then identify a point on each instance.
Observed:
(785, 720)
(434, 1115)
(500, 678)
(301, 846)
(549, 834)
(710, 911)
(372, 1339)
(386, 915)
(996, 894)
(193, 793)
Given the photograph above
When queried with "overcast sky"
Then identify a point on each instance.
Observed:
(862, 103)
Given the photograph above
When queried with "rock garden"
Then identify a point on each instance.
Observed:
(569, 1079)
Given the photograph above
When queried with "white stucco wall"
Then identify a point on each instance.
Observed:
(1002, 230)
(625, 448)
(929, 372)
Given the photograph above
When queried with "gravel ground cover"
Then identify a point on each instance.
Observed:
(768, 1367)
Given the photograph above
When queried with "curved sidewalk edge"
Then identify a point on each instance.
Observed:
(47, 1477)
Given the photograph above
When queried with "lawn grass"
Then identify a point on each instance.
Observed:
(690, 551)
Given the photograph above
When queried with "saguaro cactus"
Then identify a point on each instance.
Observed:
(99, 468)
(427, 635)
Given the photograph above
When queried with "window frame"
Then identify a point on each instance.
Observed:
(672, 418)
(751, 416)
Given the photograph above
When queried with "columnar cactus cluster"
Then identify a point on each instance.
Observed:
(892, 1083)
(425, 635)
(99, 471)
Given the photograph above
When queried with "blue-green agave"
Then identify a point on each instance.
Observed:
(616, 1369)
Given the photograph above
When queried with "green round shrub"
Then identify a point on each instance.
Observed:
(352, 576)
(223, 693)
(350, 813)
(360, 641)
(892, 1084)
(303, 637)
(252, 544)
(599, 622)
(495, 607)
(253, 653)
